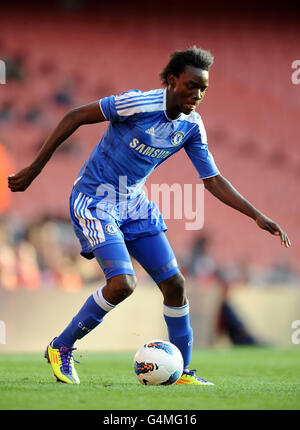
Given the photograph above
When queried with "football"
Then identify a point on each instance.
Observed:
(158, 362)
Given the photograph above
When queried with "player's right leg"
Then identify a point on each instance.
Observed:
(102, 239)
(59, 352)
(62, 363)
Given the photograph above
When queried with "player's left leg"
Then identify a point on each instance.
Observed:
(177, 317)
(155, 254)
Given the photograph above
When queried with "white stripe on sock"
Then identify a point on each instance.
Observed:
(100, 300)
(171, 311)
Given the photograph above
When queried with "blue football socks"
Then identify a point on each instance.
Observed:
(90, 316)
(180, 330)
(96, 307)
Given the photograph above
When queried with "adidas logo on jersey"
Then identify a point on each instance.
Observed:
(150, 131)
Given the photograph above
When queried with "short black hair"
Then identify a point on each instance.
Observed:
(193, 56)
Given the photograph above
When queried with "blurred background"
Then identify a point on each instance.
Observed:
(243, 286)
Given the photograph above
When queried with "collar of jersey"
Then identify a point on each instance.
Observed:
(165, 108)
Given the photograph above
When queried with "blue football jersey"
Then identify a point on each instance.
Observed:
(140, 137)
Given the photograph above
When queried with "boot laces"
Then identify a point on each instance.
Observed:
(66, 355)
(193, 373)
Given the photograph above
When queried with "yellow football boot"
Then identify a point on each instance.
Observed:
(62, 363)
(189, 377)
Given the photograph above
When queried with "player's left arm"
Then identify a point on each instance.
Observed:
(221, 188)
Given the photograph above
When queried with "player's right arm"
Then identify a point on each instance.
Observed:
(87, 114)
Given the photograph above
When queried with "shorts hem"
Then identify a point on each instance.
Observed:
(119, 272)
(165, 276)
(89, 254)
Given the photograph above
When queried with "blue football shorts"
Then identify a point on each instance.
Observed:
(113, 232)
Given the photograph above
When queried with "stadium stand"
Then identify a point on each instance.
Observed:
(251, 113)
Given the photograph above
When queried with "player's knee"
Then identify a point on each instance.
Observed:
(173, 290)
(120, 287)
(125, 286)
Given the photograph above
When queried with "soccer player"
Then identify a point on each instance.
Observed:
(111, 215)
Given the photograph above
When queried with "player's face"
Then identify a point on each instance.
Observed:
(186, 91)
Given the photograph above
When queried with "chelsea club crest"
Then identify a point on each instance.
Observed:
(177, 138)
(110, 228)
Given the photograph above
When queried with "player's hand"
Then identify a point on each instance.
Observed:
(267, 224)
(21, 180)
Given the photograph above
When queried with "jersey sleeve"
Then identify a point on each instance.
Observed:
(108, 108)
(123, 106)
(197, 150)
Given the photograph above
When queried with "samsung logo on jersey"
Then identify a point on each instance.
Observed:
(148, 150)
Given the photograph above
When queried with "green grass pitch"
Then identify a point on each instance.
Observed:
(246, 378)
